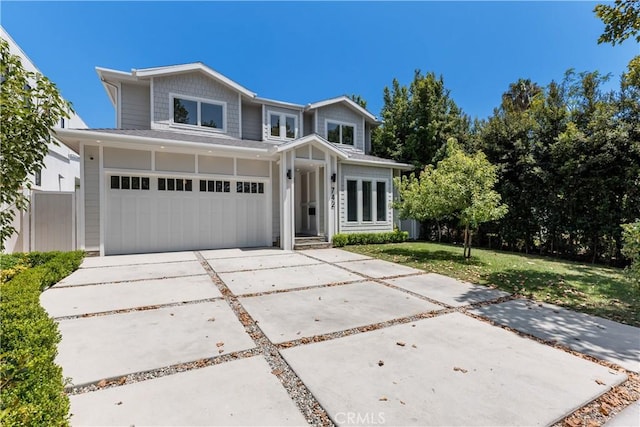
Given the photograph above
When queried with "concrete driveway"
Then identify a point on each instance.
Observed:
(270, 337)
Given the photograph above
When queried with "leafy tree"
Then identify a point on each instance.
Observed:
(358, 100)
(460, 187)
(418, 120)
(622, 20)
(31, 106)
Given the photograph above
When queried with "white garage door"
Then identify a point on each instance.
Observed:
(153, 214)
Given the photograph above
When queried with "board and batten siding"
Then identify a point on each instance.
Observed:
(91, 198)
(340, 113)
(196, 85)
(365, 173)
(134, 106)
(251, 121)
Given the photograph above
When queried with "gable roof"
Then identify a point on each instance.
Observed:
(314, 137)
(346, 101)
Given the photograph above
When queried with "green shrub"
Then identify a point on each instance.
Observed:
(32, 384)
(631, 249)
(340, 240)
(397, 236)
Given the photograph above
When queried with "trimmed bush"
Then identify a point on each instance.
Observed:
(397, 236)
(32, 384)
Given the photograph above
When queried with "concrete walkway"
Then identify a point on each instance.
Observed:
(269, 337)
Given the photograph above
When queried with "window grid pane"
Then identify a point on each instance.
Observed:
(275, 125)
(333, 132)
(291, 127)
(366, 201)
(211, 115)
(352, 200)
(125, 182)
(347, 134)
(381, 201)
(115, 182)
(185, 111)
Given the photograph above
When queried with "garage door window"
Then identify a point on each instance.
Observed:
(215, 186)
(129, 182)
(250, 187)
(175, 184)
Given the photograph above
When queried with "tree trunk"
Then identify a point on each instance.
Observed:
(467, 246)
(439, 232)
(595, 250)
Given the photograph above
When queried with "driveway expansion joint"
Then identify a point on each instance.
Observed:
(305, 401)
(123, 282)
(132, 309)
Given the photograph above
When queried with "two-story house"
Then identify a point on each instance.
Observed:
(198, 161)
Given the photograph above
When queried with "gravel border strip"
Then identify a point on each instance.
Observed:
(360, 329)
(136, 264)
(135, 377)
(131, 309)
(306, 402)
(302, 288)
(118, 282)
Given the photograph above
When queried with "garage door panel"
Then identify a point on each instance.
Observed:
(156, 220)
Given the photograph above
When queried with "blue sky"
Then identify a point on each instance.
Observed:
(303, 52)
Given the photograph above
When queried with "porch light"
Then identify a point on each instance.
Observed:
(333, 177)
(289, 173)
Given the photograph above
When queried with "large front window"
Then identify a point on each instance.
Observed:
(282, 126)
(340, 133)
(198, 113)
(367, 201)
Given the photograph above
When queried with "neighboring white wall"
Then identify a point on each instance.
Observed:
(135, 100)
(197, 85)
(340, 113)
(61, 164)
(366, 173)
(251, 121)
(91, 198)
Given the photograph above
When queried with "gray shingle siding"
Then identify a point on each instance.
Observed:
(135, 108)
(196, 85)
(251, 122)
(341, 113)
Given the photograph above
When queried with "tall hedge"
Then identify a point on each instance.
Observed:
(32, 391)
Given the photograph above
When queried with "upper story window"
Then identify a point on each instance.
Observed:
(198, 112)
(341, 133)
(282, 126)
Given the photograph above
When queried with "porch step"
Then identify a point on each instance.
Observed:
(310, 242)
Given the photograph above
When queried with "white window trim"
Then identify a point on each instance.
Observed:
(341, 123)
(359, 200)
(199, 101)
(283, 125)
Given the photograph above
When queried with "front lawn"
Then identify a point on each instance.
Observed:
(598, 290)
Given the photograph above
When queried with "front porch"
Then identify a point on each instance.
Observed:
(308, 169)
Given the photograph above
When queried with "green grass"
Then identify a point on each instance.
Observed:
(597, 290)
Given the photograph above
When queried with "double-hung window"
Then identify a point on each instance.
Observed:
(198, 112)
(340, 133)
(366, 201)
(282, 126)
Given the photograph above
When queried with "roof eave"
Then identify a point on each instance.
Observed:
(72, 137)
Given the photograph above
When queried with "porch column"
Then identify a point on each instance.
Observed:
(287, 197)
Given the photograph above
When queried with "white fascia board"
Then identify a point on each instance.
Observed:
(343, 99)
(308, 140)
(196, 66)
(277, 103)
(400, 166)
(72, 138)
